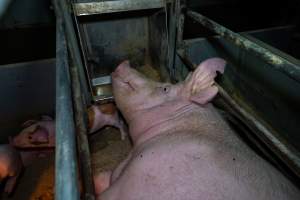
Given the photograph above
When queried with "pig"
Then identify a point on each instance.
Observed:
(41, 133)
(11, 166)
(36, 133)
(106, 115)
(182, 147)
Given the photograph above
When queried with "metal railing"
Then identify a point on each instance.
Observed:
(66, 170)
(72, 92)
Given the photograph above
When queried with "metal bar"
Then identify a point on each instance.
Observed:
(82, 130)
(101, 80)
(103, 7)
(76, 71)
(4, 4)
(180, 24)
(276, 61)
(66, 187)
(85, 49)
(73, 46)
(173, 15)
(82, 144)
(282, 150)
(102, 99)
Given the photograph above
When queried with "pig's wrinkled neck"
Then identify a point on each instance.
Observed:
(151, 122)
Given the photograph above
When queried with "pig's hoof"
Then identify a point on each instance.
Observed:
(10, 185)
(102, 182)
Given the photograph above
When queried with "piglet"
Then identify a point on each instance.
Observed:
(183, 148)
(41, 133)
(36, 133)
(10, 166)
(105, 115)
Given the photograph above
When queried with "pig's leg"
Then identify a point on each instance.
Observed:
(116, 121)
(28, 157)
(11, 183)
(102, 182)
(122, 127)
(105, 179)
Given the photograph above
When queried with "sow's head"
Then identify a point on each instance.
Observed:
(135, 93)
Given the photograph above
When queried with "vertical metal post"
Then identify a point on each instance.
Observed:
(180, 25)
(4, 4)
(78, 85)
(173, 13)
(72, 44)
(66, 177)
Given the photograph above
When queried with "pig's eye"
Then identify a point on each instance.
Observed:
(166, 89)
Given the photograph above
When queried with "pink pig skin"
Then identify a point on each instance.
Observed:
(41, 133)
(183, 149)
(10, 166)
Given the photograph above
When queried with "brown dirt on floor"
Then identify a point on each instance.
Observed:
(37, 181)
(108, 150)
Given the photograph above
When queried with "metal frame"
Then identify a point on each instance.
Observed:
(66, 187)
(106, 7)
(174, 12)
(82, 9)
(101, 80)
(66, 163)
(70, 77)
(281, 64)
(284, 151)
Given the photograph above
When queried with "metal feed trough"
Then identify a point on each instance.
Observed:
(259, 91)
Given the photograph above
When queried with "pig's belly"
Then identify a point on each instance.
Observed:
(182, 168)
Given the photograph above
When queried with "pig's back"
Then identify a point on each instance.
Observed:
(181, 166)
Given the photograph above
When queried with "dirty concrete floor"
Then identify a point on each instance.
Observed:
(107, 150)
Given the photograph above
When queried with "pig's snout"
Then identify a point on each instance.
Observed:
(125, 64)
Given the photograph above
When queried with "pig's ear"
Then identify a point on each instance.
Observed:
(201, 82)
(28, 123)
(46, 118)
(39, 136)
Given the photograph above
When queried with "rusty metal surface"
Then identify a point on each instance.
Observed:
(102, 7)
(291, 69)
